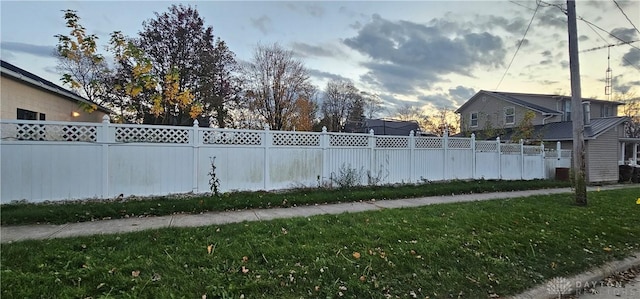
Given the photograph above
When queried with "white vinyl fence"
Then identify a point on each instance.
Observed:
(43, 160)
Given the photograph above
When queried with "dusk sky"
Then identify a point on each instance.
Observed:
(433, 54)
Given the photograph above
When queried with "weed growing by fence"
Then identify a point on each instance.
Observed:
(347, 176)
(214, 181)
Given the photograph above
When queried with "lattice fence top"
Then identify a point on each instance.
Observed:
(232, 137)
(152, 135)
(296, 139)
(429, 142)
(348, 140)
(552, 152)
(486, 146)
(510, 148)
(459, 143)
(532, 150)
(392, 142)
(50, 132)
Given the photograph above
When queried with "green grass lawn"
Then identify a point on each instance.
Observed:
(466, 250)
(57, 213)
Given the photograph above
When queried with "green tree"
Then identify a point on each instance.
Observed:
(219, 86)
(195, 71)
(525, 128)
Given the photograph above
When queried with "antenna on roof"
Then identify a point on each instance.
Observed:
(607, 78)
(607, 88)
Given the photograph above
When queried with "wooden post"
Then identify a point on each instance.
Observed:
(578, 166)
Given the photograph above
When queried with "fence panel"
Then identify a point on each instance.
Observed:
(149, 169)
(63, 160)
(38, 171)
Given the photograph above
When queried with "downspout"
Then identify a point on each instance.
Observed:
(544, 120)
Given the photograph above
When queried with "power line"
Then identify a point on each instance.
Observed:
(625, 15)
(522, 5)
(519, 45)
(558, 6)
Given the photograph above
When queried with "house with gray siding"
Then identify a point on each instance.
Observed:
(491, 114)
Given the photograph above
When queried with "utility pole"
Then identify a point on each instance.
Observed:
(577, 117)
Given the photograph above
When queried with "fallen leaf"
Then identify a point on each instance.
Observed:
(356, 255)
(100, 285)
(317, 288)
(362, 278)
(204, 296)
(135, 273)
(210, 248)
(245, 270)
(245, 259)
(607, 249)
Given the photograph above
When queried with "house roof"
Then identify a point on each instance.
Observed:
(527, 100)
(391, 127)
(560, 131)
(20, 74)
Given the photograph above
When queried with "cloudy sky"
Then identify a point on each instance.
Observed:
(433, 54)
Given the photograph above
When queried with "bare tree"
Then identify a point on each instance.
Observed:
(274, 80)
(372, 105)
(631, 109)
(408, 112)
(443, 120)
(340, 98)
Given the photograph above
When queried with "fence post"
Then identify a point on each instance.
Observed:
(267, 144)
(499, 158)
(412, 162)
(521, 159)
(544, 171)
(324, 144)
(559, 150)
(372, 152)
(473, 156)
(445, 153)
(103, 137)
(195, 144)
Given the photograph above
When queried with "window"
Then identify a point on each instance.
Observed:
(26, 114)
(606, 111)
(509, 115)
(474, 119)
(567, 110)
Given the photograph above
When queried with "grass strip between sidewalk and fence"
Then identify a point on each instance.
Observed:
(460, 250)
(89, 210)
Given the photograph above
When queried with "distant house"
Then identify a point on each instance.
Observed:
(25, 95)
(491, 114)
(384, 127)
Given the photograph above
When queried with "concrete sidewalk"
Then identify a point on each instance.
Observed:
(44, 231)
